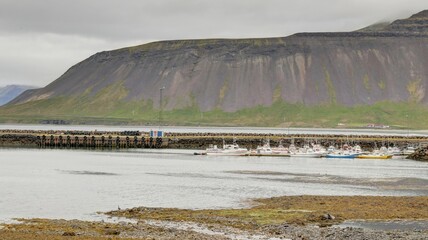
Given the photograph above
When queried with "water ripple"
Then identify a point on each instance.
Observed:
(87, 173)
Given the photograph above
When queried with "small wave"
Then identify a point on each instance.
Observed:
(88, 173)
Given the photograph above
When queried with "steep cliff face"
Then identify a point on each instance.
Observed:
(355, 68)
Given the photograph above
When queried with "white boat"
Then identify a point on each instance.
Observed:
(345, 152)
(306, 155)
(280, 150)
(306, 152)
(356, 149)
(409, 150)
(383, 150)
(227, 150)
(394, 151)
(319, 149)
(331, 149)
(292, 148)
(264, 150)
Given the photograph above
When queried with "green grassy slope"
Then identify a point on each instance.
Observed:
(112, 110)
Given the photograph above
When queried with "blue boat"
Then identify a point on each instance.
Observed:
(342, 155)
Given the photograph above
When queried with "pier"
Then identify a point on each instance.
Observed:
(137, 139)
(81, 140)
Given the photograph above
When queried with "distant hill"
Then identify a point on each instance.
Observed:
(9, 92)
(382, 64)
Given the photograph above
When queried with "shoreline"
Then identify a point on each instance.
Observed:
(287, 217)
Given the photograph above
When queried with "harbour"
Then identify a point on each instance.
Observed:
(201, 139)
(79, 183)
(213, 120)
(82, 176)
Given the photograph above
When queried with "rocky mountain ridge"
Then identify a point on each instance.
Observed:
(9, 92)
(344, 68)
(417, 23)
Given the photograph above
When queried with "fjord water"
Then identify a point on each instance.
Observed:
(76, 184)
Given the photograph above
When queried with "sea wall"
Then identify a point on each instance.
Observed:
(136, 139)
(420, 154)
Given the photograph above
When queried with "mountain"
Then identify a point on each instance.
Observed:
(9, 92)
(385, 63)
(417, 23)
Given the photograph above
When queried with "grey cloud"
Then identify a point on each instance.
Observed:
(169, 19)
(83, 27)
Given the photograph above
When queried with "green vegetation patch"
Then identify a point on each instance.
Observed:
(293, 209)
(381, 85)
(366, 82)
(79, 110)
(415, 90)
(330, 87)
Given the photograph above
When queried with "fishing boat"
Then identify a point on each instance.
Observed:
(306, 155)
(383, 150)
(227, 150)
(356, 149)
(331, 149)
(376, 154)
(342, 155)
(305, 152)
(409, 150)
(280, 150)
(394, 151)
(345, 151)
(319, 149)
(266, 150)
(263, 150)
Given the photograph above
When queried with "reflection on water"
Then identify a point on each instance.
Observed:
(87, 173)
(77, 184)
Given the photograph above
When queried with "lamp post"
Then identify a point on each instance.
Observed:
(160, 105)
(407, 123)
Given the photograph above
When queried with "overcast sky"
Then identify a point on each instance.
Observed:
(41, 39)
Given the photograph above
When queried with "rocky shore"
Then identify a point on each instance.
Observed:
(296, 217)
(43, 229)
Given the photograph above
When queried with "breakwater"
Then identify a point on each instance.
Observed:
(420, 154)
(137, 139)
(82, 140)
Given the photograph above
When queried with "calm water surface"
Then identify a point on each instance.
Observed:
(76, 184)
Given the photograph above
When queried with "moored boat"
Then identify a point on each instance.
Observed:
(375, 156)
(280, 150)
(306, 154)
(267, 151)
(394, 151)
(409, 150)
(345, 151)
(306, 151)
(371, 156)
(342, 155)
(227, 150)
